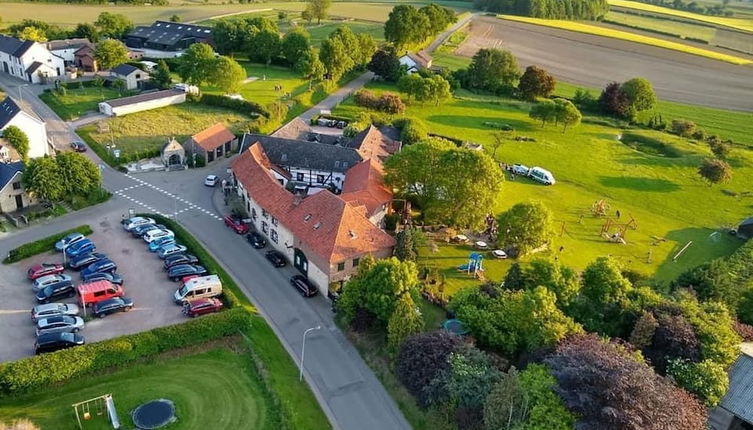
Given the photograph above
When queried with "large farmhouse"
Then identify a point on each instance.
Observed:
(28, 60)
(168, 36)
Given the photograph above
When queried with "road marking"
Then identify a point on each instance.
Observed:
(189, 205)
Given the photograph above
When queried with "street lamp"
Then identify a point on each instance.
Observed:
(303, 349)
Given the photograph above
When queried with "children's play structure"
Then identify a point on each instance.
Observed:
(98, 406)
(475, 264)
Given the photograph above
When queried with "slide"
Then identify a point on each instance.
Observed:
(112, 412)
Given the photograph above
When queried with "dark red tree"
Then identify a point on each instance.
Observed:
(674, 338)
(614, 101)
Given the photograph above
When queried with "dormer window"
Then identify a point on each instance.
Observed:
(317, 225)
(284, 157)
(337, 164)
(307, 218)
(345, 164)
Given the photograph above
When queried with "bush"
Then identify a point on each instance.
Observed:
(241, 106)
(25, 374)
(412, 131)
(42, 245)
(99, 196)
(388, 102)
(683, 127)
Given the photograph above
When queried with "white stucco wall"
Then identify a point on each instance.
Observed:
(35, 130)
(54, 65)
(138, 107)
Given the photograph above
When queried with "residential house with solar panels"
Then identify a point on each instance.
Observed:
(28, 60)
(168, 36)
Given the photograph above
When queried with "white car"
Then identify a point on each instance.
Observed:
(211, 180)
(131, 223)
(45, 281)
(53, 310)
(520, 169)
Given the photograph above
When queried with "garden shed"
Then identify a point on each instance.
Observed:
(745, 229)
(173, 154)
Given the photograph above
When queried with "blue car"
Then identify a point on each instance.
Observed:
(155, 245)
(82, 247)
(68, 241)
(102, 266)
(169, 250)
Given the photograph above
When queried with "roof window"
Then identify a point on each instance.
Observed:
(307, 218)
(317, 225)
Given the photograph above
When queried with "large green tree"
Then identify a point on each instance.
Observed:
(566, 113)
(228, 74)
(161, 75)
(295, 44)
(536, 82)
(640, 95)
(335, 58)
(386, 64)
(556, 277)
(113, 25)
(42, 178)
(264, 45)
(526, 226)
(318, 9)
(406, 26)
(110, 53)
(310, 66)
(405, 321)
(18, 140)
(604, 304)
(493, 70)
(79, 174)
(196, 65)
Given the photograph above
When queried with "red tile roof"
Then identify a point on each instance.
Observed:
(372, 143)
(328, 225)
(213, 137)
(363, 186)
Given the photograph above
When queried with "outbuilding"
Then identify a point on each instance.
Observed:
(142, 102)
(212, 142)
(173, 154)
(131, 75)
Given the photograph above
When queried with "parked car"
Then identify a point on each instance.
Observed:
(110, 306)
(131, 223)
(82, 261)
(98, 291)
(53, 310)
(194, 308)
(276, 258)
(104, 265)
(303, 286)
(114, 278)
(55, 291)
(236, 224)
(57, 341)
(541, 175)
(520, 169)
(178, 271)
(342, 124)
(45, 281)
(78, 146)
(151, 235)
(140, 230)
(256, 240)
(81, 247)
(59, 324)
(44, 269)
(172, 249)
(211, 180)
(176, 259)
(68, 240)
(155, 245)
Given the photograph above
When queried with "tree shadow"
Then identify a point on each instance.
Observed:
(478, 122)
(650, 160)
(639, 184)
(706, 244)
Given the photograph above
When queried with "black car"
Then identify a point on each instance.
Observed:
(174, 260)
(114, 278)
(276, 258)
(303, 286)
(110, 306)
(57, 341)
(56, 291)
(78, 146)
(79, 263)
(256, 240)
(181, 270)
(140, 230)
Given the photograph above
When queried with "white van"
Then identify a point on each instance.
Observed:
(542, 175)
(151, 235)
(196, 288)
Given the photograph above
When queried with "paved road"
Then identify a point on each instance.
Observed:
(346, 388)
(594, 61)
(445, 34)
(337, 97)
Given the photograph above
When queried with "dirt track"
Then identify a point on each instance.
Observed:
(594, 61)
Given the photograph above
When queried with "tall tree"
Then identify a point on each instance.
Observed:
(310, 66)
(231, 35)
(228, 74)
(196, 65)
(264, 45)
(161, 75)
(640, 94)
(80, 176)
(566, 113)
(42, 178)
(318, 9)
(604, 304)
(526, 226)
(493, 70)
(556, 277)
(87, 31)
(335, 58)
(367, 46)
(438, 17)
(405, 321)
(715, 171)
(295, 44)
(406, 26)
(386, 64)
(113, 25)
(614, 101)
(536, 82)
(350, 42)
(544, 111)
(110, 53)
(32, 33)
(18, 140)
(407, 245)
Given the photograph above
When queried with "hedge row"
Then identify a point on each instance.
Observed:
(42, 245)
(42, 370)
(241, 106)
(234, 297)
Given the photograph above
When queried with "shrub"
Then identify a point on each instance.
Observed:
(42, 245)
(683, 127)
(25, 375)
(412, 131)
(388, 102)
(720, 149)
(241, 106)
(745, 331)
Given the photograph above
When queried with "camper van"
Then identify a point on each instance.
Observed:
(203, 286)
(541, 175)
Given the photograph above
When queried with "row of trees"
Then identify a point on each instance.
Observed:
(407, 25)
(548, 9)
(557, 111)
(66, 176)
(107, 25)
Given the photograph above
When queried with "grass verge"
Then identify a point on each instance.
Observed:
(664, 26)
(631, 37)
(736, 23)
(42, 245)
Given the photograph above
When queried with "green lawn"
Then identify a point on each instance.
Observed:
(78, 101)
(149, 130)
(320, 32)
(218, 388)
(677, 28)
(663, 194)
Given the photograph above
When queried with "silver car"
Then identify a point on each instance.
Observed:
(53, 310)
(45, 281)
(59, 324)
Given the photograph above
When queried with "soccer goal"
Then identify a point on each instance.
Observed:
(102, 406)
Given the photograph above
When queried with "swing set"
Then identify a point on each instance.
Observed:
(98, 406)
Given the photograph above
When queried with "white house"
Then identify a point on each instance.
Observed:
(414, 62)
(13, 196)
(142, 102)
(28, 60)
(66, 48)
(12, 113)
(132, 75)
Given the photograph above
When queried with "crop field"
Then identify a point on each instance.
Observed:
(738, 23)
(632, 37)
(660, 189)
(667, 26)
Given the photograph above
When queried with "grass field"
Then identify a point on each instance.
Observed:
(149, 130)
(79, 101)
(320, 32)
(663, 194)
(632, 37)
(668, 26)
(737, 23)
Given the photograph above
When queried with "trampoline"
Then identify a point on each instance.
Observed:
(455, 326)
(153, 415)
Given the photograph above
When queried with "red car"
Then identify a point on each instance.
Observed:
(198, 307)
(236, 224)
(44, 269)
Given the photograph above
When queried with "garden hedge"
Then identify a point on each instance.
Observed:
(42, 370)
(241, 106)
(42, 245)
(234, 297)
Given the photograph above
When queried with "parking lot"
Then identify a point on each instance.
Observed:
(145, 282)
